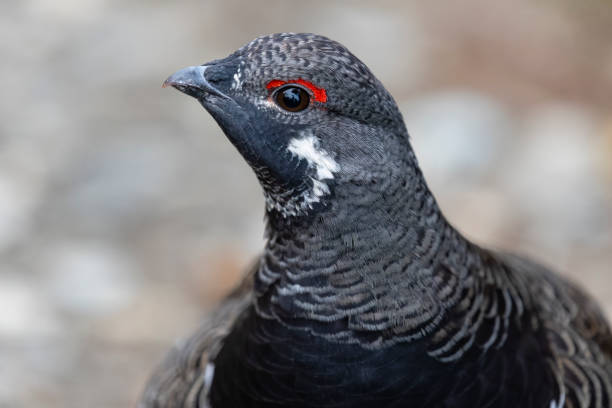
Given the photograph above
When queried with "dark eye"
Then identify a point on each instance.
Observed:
(292, 98)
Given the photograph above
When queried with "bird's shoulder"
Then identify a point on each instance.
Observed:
(562, 304)
(577, 331)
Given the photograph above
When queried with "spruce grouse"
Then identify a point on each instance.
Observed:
(365, 295)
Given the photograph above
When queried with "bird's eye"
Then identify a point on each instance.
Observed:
(292, 98)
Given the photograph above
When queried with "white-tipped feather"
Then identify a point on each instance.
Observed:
(560, 403)
(209, 373)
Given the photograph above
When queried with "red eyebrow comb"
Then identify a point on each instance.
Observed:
(319, 93)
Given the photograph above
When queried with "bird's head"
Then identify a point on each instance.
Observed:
(305, 113)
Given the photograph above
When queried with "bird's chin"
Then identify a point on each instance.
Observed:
(209, 101)
(232, 120)
(223, 110)
(189, 90)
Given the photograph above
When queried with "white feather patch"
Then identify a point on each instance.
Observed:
(308, 148)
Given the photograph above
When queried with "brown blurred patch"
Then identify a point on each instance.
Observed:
(606, 149)
(214, 274)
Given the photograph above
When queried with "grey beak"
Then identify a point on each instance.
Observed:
(192, 79)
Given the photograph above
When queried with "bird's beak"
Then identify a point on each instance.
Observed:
(191, 80)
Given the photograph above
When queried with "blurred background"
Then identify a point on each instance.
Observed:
(125, 215)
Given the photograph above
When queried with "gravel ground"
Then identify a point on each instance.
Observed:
(125, 214)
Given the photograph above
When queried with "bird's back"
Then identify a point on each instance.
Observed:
(577, 333)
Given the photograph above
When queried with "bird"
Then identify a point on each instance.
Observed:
(365, 295)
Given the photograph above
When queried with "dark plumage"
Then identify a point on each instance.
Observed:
(365, 296)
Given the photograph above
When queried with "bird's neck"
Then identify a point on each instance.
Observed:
(379, 256)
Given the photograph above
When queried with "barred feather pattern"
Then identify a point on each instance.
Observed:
(397, 280)
(422, 280)
(484, 299)
(461, 299)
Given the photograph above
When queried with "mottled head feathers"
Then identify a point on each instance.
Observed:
(345, 126)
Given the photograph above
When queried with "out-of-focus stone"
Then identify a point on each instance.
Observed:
(216, 271)
(400, 63)
(117, 179)
(88, 279)
(459, 136)
(24, 311)
(605, 154)
(553, 180)
(17, 204)
(160, 313)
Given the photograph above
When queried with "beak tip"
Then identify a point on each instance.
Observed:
(169, 82)
(191, 80)
(184, 76)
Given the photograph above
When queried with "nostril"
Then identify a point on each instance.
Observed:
(218, 75)
(212, 79)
